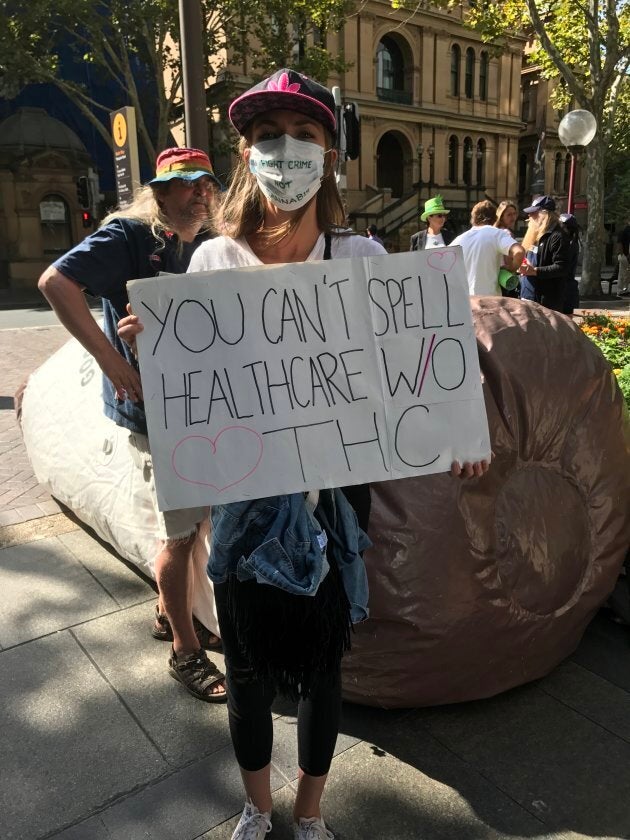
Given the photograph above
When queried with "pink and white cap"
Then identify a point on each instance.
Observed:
(288, 90)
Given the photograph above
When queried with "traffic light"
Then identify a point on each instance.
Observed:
(351, 130)
(83, 193)
(87, 219)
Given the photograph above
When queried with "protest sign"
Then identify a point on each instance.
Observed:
(277, 379)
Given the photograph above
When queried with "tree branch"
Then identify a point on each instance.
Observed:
(550, 48)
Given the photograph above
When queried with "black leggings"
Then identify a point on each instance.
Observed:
(249, 708)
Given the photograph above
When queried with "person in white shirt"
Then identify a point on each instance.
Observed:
(487, 249)
(287, 125)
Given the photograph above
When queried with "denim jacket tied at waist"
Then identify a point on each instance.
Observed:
(278, 541)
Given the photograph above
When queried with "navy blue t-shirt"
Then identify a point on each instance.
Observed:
(103, 264)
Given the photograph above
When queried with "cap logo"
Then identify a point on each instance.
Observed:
(283, 84)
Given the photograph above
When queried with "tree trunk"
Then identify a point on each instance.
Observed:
(594, 245)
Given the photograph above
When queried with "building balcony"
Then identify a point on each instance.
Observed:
(399, 97)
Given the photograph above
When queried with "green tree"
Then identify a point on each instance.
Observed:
(618, 161)
(134, 44)
(585, 44)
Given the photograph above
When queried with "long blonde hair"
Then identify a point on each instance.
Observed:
(243, 210)
(503, 206)
(537, 228)
(146, 208)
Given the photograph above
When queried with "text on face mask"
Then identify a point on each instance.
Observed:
(291, 164)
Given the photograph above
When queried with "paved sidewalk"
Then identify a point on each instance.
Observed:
(21, 352)
(99, 743)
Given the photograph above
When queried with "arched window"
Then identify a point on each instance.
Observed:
(567, 173)
(522, 174)
(469, 80)
(390, 70)
(483, 76)
(481, 163)
(55, 224)
(557, 172)
(456, 56)
(453, 154)
(468, 160)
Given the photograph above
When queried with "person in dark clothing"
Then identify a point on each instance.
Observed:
(623, 252)
(372, 233)
(436, 235)
(572, 291)
(545, 271)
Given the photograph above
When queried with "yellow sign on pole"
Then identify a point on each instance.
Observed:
(126, 163)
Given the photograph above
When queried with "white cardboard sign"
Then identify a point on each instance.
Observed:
(278, 379)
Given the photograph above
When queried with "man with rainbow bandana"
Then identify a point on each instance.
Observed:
(157, 233)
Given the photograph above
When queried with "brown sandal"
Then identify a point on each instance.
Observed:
(198, 675)
(163, 632)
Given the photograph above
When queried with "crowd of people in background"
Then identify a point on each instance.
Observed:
(541, 268)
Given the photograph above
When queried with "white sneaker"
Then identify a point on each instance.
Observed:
(253, 824)
(312, 828)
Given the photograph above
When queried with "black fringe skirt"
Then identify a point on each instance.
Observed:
(289, 639)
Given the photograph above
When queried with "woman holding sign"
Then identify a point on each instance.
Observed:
(283, 206)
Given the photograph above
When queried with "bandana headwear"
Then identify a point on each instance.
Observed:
(287, 90)
(187, 164)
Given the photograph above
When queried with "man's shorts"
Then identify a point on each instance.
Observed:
(173, 525)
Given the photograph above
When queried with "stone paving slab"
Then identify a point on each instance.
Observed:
(407, 740)
(92, 829)
(43, 588)
(180, 807)
(36, 529)
(121, 581)
(184, 805)
(182, 727)
(605, 650)
(590, 695)
(529, 745)
(68, 744)
(397, 800)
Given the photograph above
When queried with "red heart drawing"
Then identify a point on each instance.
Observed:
(443, 261)
(201, 452)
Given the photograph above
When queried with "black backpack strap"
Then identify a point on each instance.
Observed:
(327, 246)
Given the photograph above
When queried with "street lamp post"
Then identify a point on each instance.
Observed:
(192, 55)
(480, 172)
(468, 176)
(419, 153)
(576, 130)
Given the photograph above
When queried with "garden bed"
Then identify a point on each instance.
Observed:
(611, 333)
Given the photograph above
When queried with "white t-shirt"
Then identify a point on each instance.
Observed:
(223, 252)
(484, 247)
(434, 240)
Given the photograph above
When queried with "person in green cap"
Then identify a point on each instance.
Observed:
(435, 236)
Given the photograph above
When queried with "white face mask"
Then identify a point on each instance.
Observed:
(289, 171)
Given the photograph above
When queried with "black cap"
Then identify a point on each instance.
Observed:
(543, 202)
